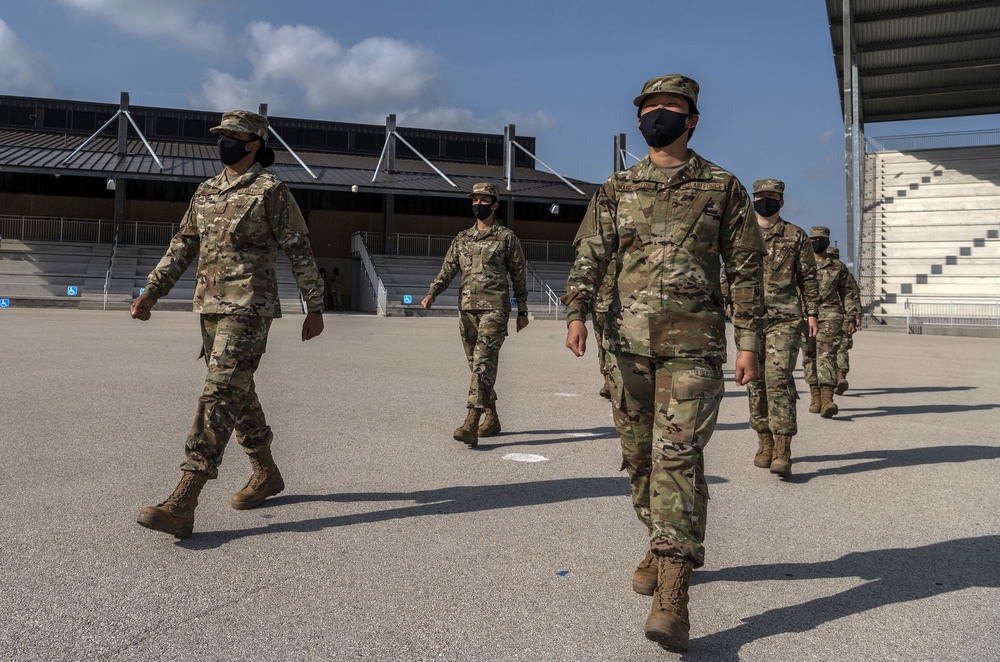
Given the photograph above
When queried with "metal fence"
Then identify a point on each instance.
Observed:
(983, 313)
(372, 294)
(84, 230)
(982, 138)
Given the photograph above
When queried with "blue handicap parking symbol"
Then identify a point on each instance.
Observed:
(141, 290)
(71, 290)
(513, 302)
(4, 303)
(407, 299)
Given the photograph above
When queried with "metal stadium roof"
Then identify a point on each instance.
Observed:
(43, 153)
(920, 59)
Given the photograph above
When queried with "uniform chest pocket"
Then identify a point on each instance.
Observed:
(634, 211)
(700, 224)
(246, 222)
(779, 250)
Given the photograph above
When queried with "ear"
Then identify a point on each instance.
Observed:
(781, 202)
(692, 121)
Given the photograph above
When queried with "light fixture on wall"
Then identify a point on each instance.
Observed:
(112, 184)
(554, 209)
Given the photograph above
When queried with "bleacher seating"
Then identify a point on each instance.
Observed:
(936, 232)
(38, 273)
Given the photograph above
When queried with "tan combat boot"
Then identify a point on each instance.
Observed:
(176, 515)
(605, 391)
(644, 577)
(469, 432)
(828, 407)
(667, 623)
(842, 383)
(814, 398)
(491, 423)
(265, 481)
(765, 450)
(782, 462)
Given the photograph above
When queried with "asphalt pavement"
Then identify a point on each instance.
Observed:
(392, 541)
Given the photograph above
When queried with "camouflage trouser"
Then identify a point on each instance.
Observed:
(483, 333)
(232, 346)
(843, 360)
(819, 354)
(665, 412)
(603, 355)
(772, 396)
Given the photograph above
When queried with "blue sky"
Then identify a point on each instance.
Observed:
(564, 72)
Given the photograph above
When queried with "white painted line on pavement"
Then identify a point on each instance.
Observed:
(567, 395)
(525, 457)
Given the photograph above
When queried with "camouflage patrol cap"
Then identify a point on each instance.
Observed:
(671, 84)
(485, 188)
(774, 185)
(243, 121)
(819, 231)
(833, 251)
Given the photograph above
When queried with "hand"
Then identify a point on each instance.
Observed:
(857, 323)
(142, 307)
(426, 303)
(576, 337)
(852, 328)
(813, 327)
(522, 321)
(312, 326)
(747, 368)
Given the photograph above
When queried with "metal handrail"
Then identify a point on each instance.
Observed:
(952, 312)
(954, 139)
(111, 266)
(378, 298)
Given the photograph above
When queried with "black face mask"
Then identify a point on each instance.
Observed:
(820, 245)
(482, 212)
(661, 127)
(232, 150)
(767, 206)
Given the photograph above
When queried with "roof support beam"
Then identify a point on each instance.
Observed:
(971, 5)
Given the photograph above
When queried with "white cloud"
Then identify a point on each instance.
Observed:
(22, 70)
(176, 19)
(298, 65)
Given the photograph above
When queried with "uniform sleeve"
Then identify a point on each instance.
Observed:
(449, 269)
(742, 247)
(518, 273)
(290, 231)
(808, 284)
(852, 306)
(180, 253)
(596, 243)
(844, 291)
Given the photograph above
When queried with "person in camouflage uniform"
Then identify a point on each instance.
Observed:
(819, 358)
(664, 224)
(486, 254)
(234, 225)
(847, 341)
(790, 298)
(599, 318)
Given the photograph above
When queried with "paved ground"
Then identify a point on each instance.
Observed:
(394, 542)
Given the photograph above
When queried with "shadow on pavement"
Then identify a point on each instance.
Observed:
(445, 501)
(909, 410)
(557, 437)
(893, 576)
(887, 459)
(856, 392)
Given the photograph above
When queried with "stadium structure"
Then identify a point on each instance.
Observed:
(923, 211)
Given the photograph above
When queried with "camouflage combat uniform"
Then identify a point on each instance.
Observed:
(847, 342)
(234, 226)
(819, 357)
(789, 278)
(665, 328)
(485, 258)
(600, 320)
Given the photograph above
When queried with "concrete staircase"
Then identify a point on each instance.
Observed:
(937, 226)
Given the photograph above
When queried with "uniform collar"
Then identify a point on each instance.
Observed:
(775, 230)
(474, 231)
(696, 168)
(222, 183)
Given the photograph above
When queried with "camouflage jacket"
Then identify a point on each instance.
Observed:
(834, 290)
(603, 301)
(665, 238)
(235, 228)
(853, 302)
(789, 274)
(485, 258)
